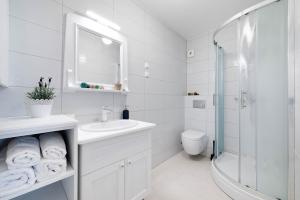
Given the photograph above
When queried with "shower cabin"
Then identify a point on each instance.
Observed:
(252, 103)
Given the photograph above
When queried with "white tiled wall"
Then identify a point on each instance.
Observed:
(36, 44)
(199, 119)
(201, 79)
(297, 101)
(227, 39)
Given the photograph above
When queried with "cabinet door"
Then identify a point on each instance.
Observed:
(104, 184)
(137, 176)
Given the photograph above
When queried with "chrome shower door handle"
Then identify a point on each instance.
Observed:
(243, 99)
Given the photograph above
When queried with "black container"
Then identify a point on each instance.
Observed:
(125, 113)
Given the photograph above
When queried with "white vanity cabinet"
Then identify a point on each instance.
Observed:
(137, 176)
(105, 183)
(116, 168)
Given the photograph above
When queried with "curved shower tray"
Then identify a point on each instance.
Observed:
(235, 190)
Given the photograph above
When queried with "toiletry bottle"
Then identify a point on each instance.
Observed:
(125, 113)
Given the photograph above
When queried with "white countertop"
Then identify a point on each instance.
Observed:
(85, 137)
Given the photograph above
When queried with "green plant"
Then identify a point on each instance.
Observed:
(43, 91)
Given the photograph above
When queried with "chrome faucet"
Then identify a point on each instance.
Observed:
(105, 112)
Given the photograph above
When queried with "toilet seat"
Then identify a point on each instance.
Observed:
(193, 135)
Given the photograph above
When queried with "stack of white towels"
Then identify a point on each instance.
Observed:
(27, 159)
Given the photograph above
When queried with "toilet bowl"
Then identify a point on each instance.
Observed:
(194, 142)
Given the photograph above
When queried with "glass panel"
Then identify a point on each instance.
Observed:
(228, 105)
(272, 100)
(248, 105)
(219, 102)
(252, 101)
(264, 101)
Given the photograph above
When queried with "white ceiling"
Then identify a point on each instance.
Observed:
(190, 18)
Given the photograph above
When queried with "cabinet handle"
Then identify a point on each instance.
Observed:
(129, 162)
(122, 165)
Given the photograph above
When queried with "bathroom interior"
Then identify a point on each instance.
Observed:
(149, 100)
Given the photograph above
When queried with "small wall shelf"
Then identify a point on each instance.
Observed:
(78, 89)
(63, 186)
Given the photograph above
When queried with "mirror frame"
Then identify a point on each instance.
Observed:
(73, 23)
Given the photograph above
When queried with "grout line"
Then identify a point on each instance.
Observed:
(36, 24)
(27, 87)
(28, 54)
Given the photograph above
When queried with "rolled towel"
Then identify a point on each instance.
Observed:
(23, 152)
(14, 180)
(49, 168)
(53, 146)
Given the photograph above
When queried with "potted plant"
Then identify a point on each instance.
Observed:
(41, 99)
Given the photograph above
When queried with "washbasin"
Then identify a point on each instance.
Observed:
(109, 126)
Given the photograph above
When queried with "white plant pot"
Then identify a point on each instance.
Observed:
(40, 108)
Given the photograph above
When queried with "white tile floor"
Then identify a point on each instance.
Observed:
(185, 178)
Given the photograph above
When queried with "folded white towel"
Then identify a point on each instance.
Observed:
(23, 152)
(49, 168)
(14, 180)
(53, 146)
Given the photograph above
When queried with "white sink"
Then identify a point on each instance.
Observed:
(109, 126)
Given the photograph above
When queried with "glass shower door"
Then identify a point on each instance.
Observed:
(252, 100)
(227, 103)
(248, 84)
(264, 101)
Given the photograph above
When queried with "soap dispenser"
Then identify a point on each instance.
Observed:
(126, 113)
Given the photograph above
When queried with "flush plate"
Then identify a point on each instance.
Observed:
(200, 104)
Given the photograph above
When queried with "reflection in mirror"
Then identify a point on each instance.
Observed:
(98, 58)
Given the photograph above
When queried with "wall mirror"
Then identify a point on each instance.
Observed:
(95, 57)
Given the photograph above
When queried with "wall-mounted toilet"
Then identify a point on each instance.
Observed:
(194, 142)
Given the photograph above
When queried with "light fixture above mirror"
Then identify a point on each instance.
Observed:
(102, 20)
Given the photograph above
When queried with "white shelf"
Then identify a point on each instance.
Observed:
(70, 172)
(46, 193)
(101, 90)
(14, 127)
(74, 89)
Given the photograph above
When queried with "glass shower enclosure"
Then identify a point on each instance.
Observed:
(252, 100)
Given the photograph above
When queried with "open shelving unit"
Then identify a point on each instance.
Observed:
(62, 186)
